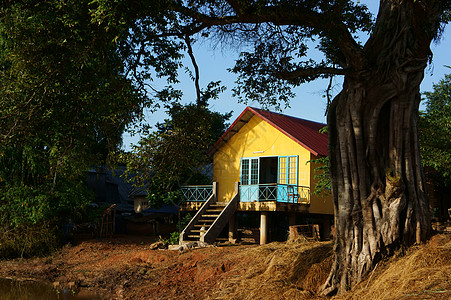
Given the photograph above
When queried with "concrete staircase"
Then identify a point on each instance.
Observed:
(210, 219)
(205, 221)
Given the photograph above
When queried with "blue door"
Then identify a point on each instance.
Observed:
(287, 190)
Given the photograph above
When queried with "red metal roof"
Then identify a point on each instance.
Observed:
(304, 132)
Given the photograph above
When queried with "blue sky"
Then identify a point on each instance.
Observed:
(309, 102)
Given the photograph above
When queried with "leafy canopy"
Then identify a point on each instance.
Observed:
(276, 38)
(434, 137)
(176, 153)
(64, 104)
(435, 132)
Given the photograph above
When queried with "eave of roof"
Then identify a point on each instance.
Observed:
(305, 133)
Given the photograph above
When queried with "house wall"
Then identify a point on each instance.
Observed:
(318, 203)
(259, 139)
(140, 203)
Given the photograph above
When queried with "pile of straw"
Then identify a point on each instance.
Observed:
(296, 269)
(280, 271)
(423, 273)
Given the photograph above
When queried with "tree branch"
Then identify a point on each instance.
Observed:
(329, 23)
(329, 98)
(196, 69)
(236, 6)
(308, 72)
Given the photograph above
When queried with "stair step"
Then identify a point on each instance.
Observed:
(198, 230)
(210, 216)
(215, 209)
(206, 221)
(194, 236)
(200, 226)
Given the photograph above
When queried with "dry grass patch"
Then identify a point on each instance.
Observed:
(280, 271)
(423, 273)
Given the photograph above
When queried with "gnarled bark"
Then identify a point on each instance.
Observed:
(377, 181)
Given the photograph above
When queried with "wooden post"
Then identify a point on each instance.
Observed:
(237, 187)
(232, 228)
(215, 191)
(263, 227)
(232, 221)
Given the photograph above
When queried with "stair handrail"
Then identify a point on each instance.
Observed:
(215, 229)
(212, 199)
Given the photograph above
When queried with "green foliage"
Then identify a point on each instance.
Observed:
(160, 193)
(175, 236)
(62, 81)
(90, 213)
(65, 99)
(64, 105)
(23, 204)
(176, 153)
(434, 128)
(322, 175)
(184, 221)
(276, 36)
(27, 240)
(146, 43)
(435, 132)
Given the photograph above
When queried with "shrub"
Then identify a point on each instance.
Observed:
(31, 218)
(27, 240)
(174, 236)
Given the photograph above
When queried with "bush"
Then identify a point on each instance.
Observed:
(174, 236)
(31, 217)
(27, 240)
(22, 204)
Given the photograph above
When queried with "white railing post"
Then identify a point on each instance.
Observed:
(215, 191)
(223, 218)
(203, 208)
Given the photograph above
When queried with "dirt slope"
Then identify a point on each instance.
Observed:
(124, 269)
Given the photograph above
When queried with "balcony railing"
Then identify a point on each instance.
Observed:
(250, 193)
(275, 192)
(197, 192)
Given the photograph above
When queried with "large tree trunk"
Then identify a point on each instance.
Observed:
(377, 177)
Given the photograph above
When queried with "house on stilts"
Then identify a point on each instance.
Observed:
(262, 176)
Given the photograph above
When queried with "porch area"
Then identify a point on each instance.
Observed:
(258, 197)
(265, 199)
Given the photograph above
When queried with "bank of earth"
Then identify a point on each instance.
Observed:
(126, 268)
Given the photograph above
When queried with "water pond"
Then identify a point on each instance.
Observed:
(32, 290)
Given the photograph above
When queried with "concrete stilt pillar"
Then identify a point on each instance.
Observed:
(215, 190)
(232, 228)
(263, 227)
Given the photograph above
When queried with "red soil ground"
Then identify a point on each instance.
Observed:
(124, 267)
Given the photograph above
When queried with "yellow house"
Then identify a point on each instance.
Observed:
(260, 168)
